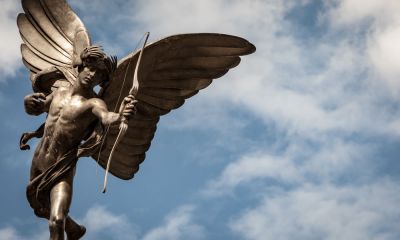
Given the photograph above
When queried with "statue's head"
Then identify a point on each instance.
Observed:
(96, 67)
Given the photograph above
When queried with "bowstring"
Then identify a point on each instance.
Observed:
(116, 105)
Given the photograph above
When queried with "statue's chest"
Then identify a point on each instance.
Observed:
(67, 107)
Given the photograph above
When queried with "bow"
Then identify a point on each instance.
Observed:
(123, 127)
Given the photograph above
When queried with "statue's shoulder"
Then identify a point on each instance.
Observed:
(96, 101)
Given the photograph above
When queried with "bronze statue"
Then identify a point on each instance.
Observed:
(65, 67)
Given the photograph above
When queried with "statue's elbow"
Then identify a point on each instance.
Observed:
(110, 118)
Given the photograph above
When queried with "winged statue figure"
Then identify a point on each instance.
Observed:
(65, 67)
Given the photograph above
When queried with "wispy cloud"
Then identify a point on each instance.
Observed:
(327, 93)
(102, 224)
(380, 23)
(304, 87)
(324, 212)
(10, 233)
(177, 225)
(298, 165)
(10, 39)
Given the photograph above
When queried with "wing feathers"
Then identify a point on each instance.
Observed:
(60, 13)
(172, 70)
(45, 36)
(168, 93)
(134, 149)
(211, 40)
(184, 84)
(124, 169)
(209, 51)
(35, 12)
(32, 55)
(34, 38)
(161, 75)
(144, 133)
(34, 59)
(33, 69)
(52, 32)
(166, 104)
(199, 63)
(150, 110)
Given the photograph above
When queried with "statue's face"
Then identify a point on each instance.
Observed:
(92, 74)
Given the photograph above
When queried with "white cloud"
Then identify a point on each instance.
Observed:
(324, 212)
(10, 233)
(320, 86)
(384, 52)
(320, 91)
(10, 58)
(351, 12)
(380, 22)
(178, 225)
(297, 165)
(233, 17)
(249, 169)
(102, 224)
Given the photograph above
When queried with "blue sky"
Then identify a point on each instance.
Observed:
(300, 141)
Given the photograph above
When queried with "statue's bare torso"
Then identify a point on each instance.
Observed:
(69, 117)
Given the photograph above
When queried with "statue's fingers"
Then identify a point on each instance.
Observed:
(131, 110)
(42, 96)
(129, 106)
(130, 96)
(126, 114)
(129, 99)
(39, 96)
(38, 100)
(126, 100)
(128, 110)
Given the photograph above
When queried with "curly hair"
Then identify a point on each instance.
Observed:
(94, 55)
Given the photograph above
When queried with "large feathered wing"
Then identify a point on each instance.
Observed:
(172, 70)
(53, 36)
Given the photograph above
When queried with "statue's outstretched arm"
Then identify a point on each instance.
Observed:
(101, 112)
(37, 103)
(99, 109)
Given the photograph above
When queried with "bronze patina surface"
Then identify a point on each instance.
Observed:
(65, 67)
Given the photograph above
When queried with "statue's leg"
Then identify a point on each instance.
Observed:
(60, 201)
(74, 230)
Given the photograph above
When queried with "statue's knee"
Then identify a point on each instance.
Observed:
(56, 222)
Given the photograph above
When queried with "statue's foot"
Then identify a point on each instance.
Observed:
(76, 233)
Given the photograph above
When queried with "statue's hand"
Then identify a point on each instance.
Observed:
(128, 106)
(34, 103)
